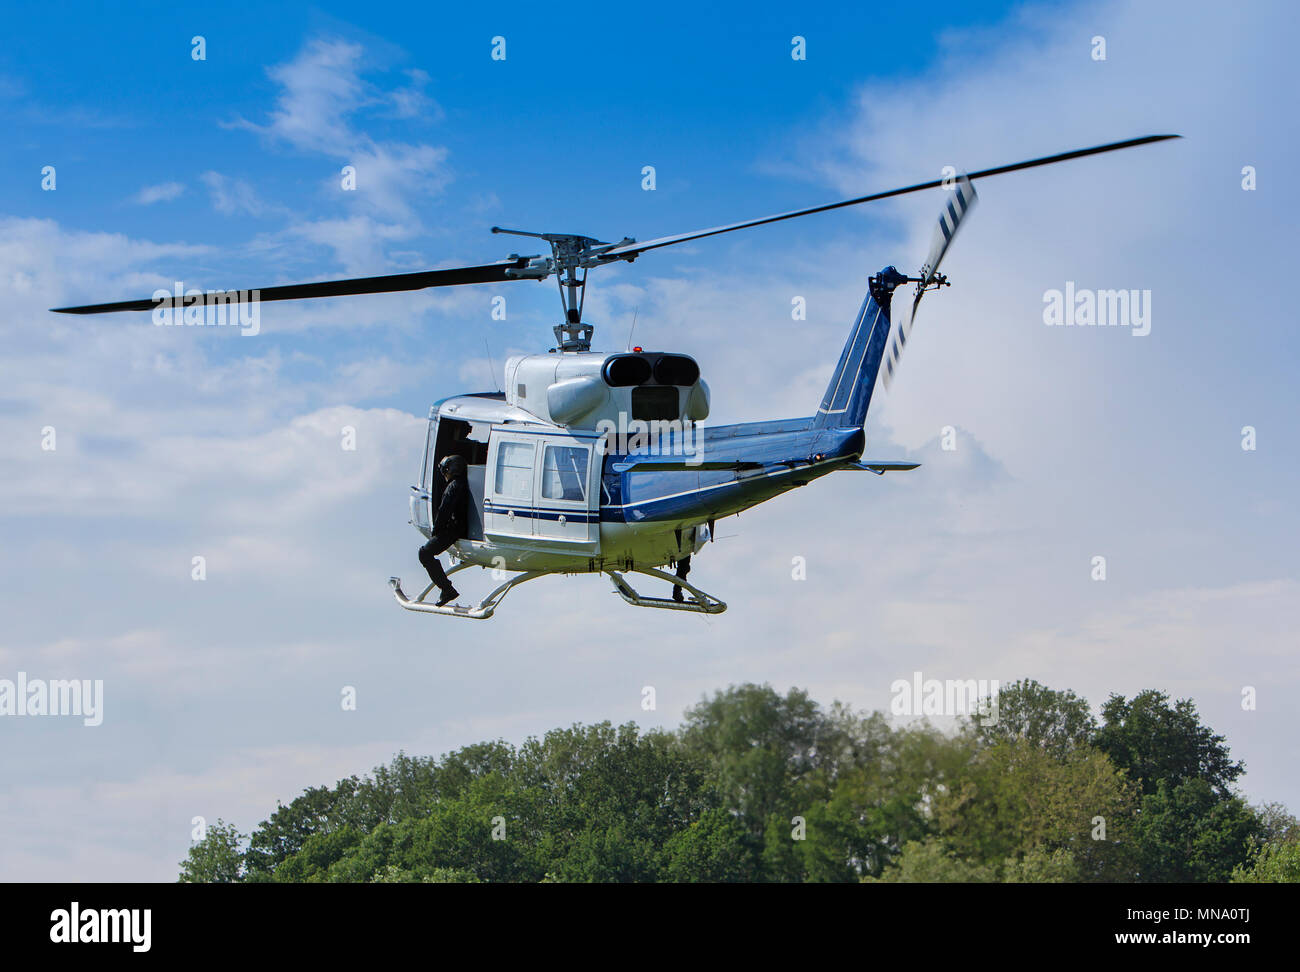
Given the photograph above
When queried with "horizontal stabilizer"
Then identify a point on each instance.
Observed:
(882, 466)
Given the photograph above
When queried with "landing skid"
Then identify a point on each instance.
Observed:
(700, 603)
(482, 611)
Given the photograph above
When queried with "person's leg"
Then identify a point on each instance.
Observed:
(683, 568)
(429, 559)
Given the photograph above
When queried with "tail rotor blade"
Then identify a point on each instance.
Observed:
(896, 346)
(962, 199)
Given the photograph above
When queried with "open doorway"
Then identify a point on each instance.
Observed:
(469, 440)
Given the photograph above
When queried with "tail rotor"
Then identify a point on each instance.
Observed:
(962, 199)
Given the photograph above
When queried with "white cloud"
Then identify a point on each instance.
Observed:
(322, 89)
(163, 192)
(235, 196)
(411, 101)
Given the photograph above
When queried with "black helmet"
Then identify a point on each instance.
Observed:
(453, 467)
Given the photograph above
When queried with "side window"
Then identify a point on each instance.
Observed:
(564, 473)
(514, 473)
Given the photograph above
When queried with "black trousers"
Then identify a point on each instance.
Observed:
(429, 558)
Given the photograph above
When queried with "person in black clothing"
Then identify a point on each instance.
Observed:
(449, 525)
(460, 445)
(683, 568)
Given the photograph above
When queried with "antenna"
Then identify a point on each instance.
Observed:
(491, 364)
(632, 329)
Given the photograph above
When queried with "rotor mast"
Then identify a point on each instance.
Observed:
(571, 257)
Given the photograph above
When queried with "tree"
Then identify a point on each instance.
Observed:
(603, 801)
(932, 861)
(1270, 864)
(289, 827)
(1192, 832)
(763, 750)
(758, 786)
(878, 805)
(1017, 798)
(461, 834)
(1039, 866)
(1277, 824)
(714, 848)
(392, 874)
(1057, 721)
(317, 855)
(1157, 742)
(216, 859)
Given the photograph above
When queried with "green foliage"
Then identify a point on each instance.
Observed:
(284, 834)
(319, 852)
(714, 848)
(1018, 797)
(765, 752)
(1055, 721)
(1039, 866)
(1157, 742)
(759, 786)
(392, 874)
(1277, 825)
(880, 801)
(1192, 832)
(1274, 863)
(216, 858)
(935, 860)
(932, 861)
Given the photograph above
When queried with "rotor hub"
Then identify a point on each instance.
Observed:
(571, 257)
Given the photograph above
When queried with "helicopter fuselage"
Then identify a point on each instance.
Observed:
(611, 507)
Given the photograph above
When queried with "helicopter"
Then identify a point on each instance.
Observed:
(593, 462)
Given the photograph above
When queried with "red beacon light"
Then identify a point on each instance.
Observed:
(637, 350)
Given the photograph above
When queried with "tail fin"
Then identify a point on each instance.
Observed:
(849, 394)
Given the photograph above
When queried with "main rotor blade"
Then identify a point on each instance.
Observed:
(632, 250)
(487, 273)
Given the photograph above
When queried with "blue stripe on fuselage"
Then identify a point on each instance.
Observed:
(532, 513)
(784, 449)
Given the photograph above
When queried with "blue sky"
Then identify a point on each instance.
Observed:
(223, 696)
(553, 138)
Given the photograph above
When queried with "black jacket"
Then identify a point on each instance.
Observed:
(453, 511)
